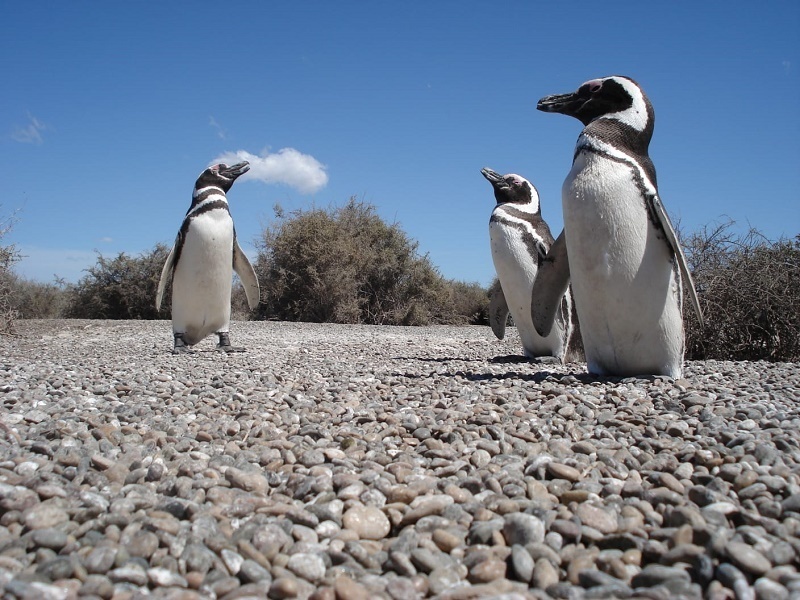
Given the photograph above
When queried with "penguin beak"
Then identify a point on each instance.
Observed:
(236, 170)
(492, 176)
(566, 104)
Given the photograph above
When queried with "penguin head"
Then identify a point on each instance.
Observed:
(221, 176)
(513, 189)
(617, 97)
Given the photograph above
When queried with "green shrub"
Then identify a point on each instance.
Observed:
(346, 265)
(749, 288)
(123, 287)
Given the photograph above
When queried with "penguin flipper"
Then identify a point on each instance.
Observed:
(550, 286)
(166, 275)
(246, 273)
(672, 239)
(498, 313)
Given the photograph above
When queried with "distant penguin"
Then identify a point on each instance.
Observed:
(618, 247)
(519, 240)
(201, 264)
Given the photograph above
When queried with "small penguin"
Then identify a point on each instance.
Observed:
(618, 247)
(520, 240)
(201, 264)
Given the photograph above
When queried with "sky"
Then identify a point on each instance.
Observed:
(110, 110)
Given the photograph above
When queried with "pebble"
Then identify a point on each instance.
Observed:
(337, 462)
(368, 522)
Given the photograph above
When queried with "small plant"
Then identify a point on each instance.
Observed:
(37, 300)
(346, 265)
(749, 289)
(8, 256)
(123, 287)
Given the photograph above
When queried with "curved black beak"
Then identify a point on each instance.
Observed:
(236, 170)
(560, 103)
(492, 176)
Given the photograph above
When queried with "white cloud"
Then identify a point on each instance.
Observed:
(288, 166)
(106, 240)
(30, 134)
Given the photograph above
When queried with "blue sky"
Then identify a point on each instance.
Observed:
(111, 110)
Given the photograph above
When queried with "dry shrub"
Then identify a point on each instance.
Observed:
(749, 289)
(346, 265)
(8, 256)
(37, 300)
(123, 287)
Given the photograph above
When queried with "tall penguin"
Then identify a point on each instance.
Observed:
(201, 264)
(519, 240)
(618, 246)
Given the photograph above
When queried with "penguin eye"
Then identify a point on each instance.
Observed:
(594, 86)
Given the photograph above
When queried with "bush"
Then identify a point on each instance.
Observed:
(121, 288)
(8, 256)
(749, 289)
(36, 300)
(346, 265)
(470, 301)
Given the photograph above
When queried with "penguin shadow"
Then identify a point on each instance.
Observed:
(521, 359)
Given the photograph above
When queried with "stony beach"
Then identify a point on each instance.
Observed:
(349, 462)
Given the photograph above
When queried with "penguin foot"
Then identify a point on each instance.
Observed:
(181, 347)
(225, 344)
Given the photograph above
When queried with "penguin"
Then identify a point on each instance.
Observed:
(519, 240)
(201, 264)
(618, 247)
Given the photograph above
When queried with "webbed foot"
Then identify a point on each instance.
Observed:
(225, 343)
(181, 347)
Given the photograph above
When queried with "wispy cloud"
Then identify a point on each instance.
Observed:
(30, 133)
(222, 133)
(45, 264)
(106, 240)
(288, 166)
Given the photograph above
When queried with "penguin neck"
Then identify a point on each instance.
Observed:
(621, 135)
(207, 195)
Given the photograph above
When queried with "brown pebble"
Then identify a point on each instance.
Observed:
(487, 570)
(347, 589)
(284, 587)
(446, 541)
(545, 574)
(194, 579)
(560, 471)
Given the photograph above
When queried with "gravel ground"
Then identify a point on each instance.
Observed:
(357, 462)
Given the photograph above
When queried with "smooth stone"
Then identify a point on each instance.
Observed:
(654, 575)
(54, 539)
(767, 589)
(165, 578)
(369, 522)
(488, 570)
(747, 558)
(522, 563)
(348, 589)
(310, 567)
(44, 516)
(522, 529)
(597, 518)
(561, 471)
(545, 574)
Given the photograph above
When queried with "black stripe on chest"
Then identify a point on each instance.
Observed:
(638, 180)
(215, 205)
(533, 245)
